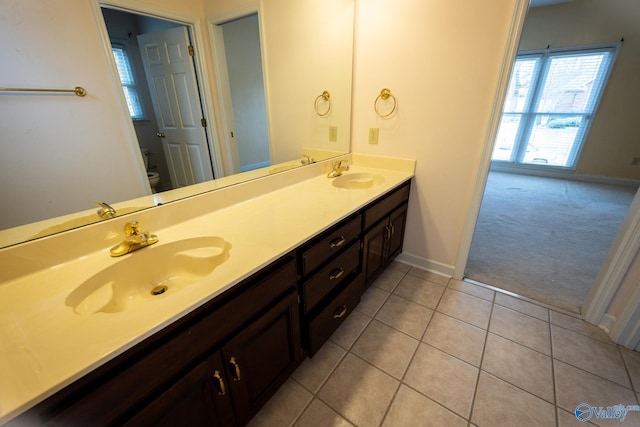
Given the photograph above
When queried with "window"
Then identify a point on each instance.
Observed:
(550, 102)
(128, 82)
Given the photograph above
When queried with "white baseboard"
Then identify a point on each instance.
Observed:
(564, 174)
(607, 322)
(426, 264)
(254, 166)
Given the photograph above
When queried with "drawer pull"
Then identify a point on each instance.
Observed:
(336, 274)
(235, 372)
(340, 312)
(336, 243)
(220, 386)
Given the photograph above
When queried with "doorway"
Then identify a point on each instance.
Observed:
(237, 53)
(612, 121)
(154, 58)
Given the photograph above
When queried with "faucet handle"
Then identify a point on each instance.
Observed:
(132, 229)
(105, 211)
(338, 164)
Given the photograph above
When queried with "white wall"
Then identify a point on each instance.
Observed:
(307, 50)
(60, 153)
(442, 60)
(614, 139)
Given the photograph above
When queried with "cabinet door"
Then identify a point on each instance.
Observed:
(397, 221)
(374, 253)
(261, 357)
(199, 398)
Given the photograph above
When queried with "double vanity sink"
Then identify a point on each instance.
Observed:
(73, 307)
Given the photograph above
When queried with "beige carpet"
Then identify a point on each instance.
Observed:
(545, 238)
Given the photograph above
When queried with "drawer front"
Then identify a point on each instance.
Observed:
(333, 274)
(327, 321)
(381, 208)
(329, 245)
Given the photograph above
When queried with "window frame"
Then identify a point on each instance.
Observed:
(133, 86)
(531, 109)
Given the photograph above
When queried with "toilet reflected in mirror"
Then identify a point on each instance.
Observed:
(154, 177)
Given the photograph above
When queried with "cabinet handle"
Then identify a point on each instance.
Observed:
(336, 243)
(340, 312)
(392, 228)
(336, 274)
(221, 388)
(235, 369)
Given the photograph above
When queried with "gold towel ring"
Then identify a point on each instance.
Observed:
(326, 96)
(384, 95)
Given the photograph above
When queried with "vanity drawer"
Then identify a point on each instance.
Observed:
(330, 276)
(381, 208)
(327, 321)
(330, 244)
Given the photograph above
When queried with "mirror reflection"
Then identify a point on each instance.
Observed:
(65, 153)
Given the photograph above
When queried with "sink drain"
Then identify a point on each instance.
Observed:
(159, 290)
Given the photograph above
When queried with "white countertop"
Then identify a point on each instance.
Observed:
(46, 345)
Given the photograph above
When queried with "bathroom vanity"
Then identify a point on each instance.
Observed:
(217, 359)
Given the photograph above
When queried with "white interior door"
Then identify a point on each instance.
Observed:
(172, 82)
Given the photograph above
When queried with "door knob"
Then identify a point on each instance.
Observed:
(160, 134)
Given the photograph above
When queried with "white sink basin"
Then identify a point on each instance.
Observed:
(356, 181)
(148, 274)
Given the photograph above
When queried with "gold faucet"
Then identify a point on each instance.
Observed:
(338, 168)
(307, 160)
(135, 239)
(105, 210)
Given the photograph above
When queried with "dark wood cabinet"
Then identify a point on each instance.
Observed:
(382, 240)
(261, 357)
(230, 386)
(218, 365)
(200, 398)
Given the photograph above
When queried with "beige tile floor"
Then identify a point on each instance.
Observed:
(422, 350)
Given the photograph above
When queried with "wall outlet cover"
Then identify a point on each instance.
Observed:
(333, 133)
(374, 133)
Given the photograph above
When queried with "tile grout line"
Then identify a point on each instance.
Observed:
(524, 299)
(385, 373)
(484, 349)
(324, 381)
(611, 343)
(593, 374)
(553, 371)
(401, 381)
(404, 374)
(626, 368)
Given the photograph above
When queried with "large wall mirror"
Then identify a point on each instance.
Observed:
(61, 153)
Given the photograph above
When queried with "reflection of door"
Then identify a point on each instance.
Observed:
(172, 82)
(240, 78)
